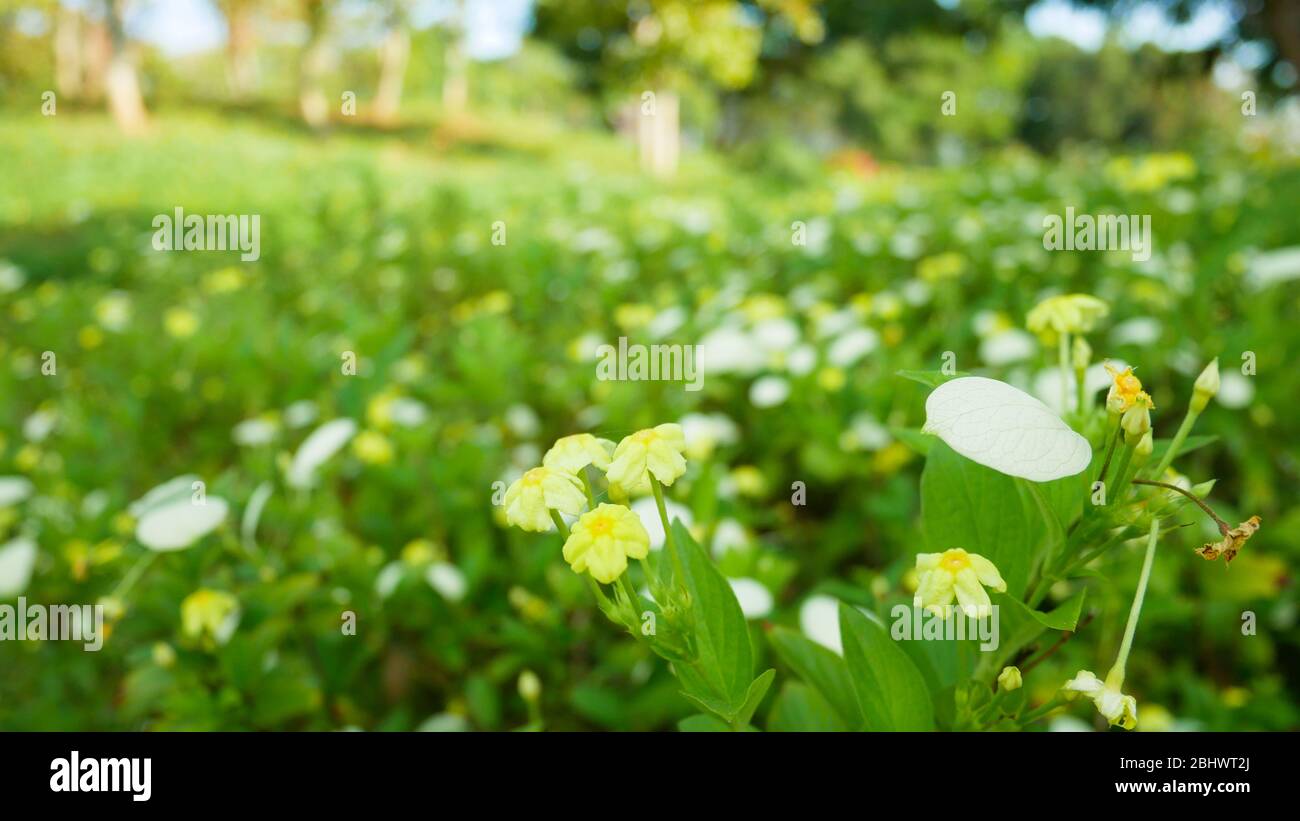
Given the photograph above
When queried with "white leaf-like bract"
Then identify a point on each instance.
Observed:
(17, 559)
(317, 448)
(177, 524)
(1004, 428)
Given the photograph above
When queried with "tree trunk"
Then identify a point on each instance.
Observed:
(67, 53)
(455, 81)
(122, 84)
(311, 69)
(393, 56)
(241, 53)
(659, 133)
(1283, 18)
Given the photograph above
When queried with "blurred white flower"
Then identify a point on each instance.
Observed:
(819, 619)
(1138, 331)
(39, 425)
(1011, 345)
(447, 579)
(1235, 390)
(17, 560)
(778, 334)
(769, 392)
(317, 449)
(11, 277)
(730, 350)
(755, 599)
(728, 534)
(300, 414)
(706, 431)
(646, 511)
(407, 412)
(666, 321)
(851, 346)
(522, 421)
(180, 522)
(14, 489)
(801, 360)
(254, 432)
(388, 578)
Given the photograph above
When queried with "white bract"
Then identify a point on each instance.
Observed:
(179, 523)
(17, 559)
(14, 489)
(1004, 428)
(317, 448)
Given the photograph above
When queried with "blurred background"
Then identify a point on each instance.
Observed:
(469, 196)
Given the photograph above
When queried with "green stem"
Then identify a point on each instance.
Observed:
(628, 590)
(1115, 678)
(1121, 473)
(1065, 374)
(133, 575)
(559, 523)
(586, 485)
(1224, 527)
(598, 593)
(1185, 428)
(1110, 451)
(669, 542)
(1080, 377)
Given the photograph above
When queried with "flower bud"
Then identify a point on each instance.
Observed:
(1009, 679)
(1144, 447)
(530, 686)
(1136, 420)
(1206, 387)
(1082, 354)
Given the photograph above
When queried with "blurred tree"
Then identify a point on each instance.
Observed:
(312, 64)
(394, 54)
(122, 83)
(241, 46)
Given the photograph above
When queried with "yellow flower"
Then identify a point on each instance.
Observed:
(1065, 314)
(530, 500)
(1009, 679)
(956, 572)
(1136, 421)
(653, 452)
(1116, 707)
(603, 540)
(180, 323)
(1124, 390)
(573, 453)
(373, 448)
(210, 614)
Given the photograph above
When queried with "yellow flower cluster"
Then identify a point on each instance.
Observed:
(605, 535)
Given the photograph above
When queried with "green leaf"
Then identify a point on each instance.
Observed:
(701, 723)
(722, 673)
(757, 689)
(966, 505)
(1019, 625)
(931, 379)
(822, 669)
(801, 709)
(890, 690)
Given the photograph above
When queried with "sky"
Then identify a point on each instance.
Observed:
(496, 27)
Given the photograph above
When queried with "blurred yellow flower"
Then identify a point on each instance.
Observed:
(653, 452)
(603, 540)
(210, 614)
(573, 453)
(1124, 389)
(90, 337)
(748, 480)
(223, 280)
(532, 497)
(631, 316)
(373, 448)
(180, 323)
(1114, 706)
(1065, 314)
(941, 267)
(956, 573)
(419, 551)
(830, 379)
